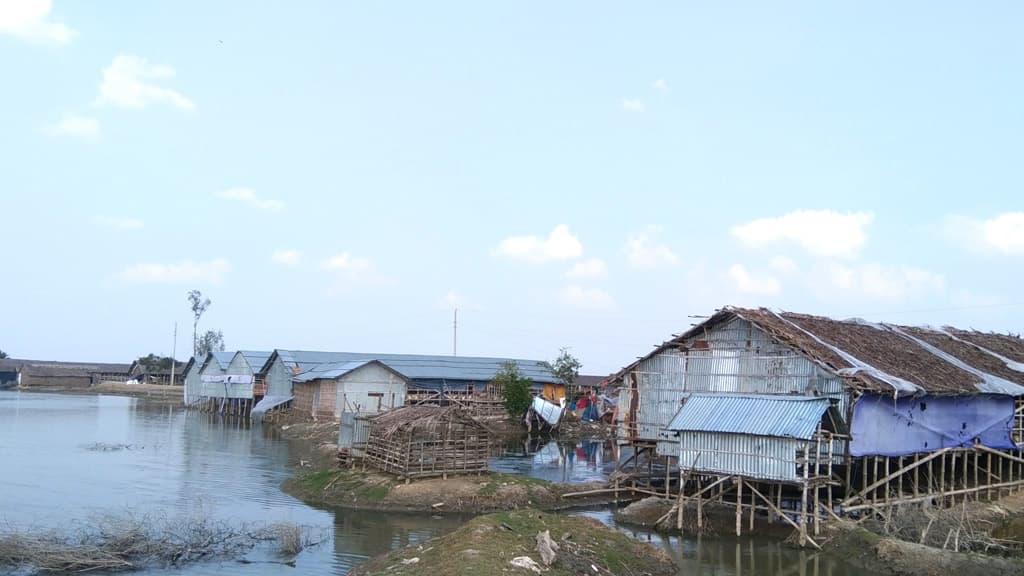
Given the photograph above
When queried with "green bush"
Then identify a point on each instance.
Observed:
(515, 389)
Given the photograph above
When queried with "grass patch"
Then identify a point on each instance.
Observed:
(332, 486)
(497, 480)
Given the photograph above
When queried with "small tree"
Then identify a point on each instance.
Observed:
(566, 367)
(3, 354)
(515, 389)
(211, 341)
(199, 305)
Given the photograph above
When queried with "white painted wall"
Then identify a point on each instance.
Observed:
(354, 390)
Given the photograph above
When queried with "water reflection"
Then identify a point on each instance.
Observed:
(361, 534)
(549, 459)
(732, 556)
(166, 460)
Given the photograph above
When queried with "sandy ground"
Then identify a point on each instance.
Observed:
(167, 395)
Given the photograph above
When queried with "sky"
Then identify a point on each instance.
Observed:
(585, 175)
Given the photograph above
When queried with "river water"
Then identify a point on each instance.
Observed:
(68, 459)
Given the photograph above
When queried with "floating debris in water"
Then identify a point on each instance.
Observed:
(111, 447)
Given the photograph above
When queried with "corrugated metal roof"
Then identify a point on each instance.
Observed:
(223, 359)
(422, 367)
(255, 358)
(760, 415)
(329, 371)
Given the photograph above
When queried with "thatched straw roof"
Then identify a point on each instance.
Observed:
(422, 418)
(886, 357)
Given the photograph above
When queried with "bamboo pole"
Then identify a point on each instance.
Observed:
(752, 504)
(977, 495)
(988, 493)
(923, 498)
(942, 480)
(803, 501)
(700, 513)
(899, 482)
(739, 504)
(781, 514)
(863, 493)
(885, 487)
(952, 476)
(667, 481)
(917, 471)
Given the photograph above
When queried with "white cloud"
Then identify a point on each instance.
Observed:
(886, 282)
(119, 223)
(345, 263)
(750, 284)
(783, 264)
(286, 257)
(644, 250)
(132, 82)
(632, 105)
(592, 298)
(661, 84)
(248, 197)
(592, 268)
(75, 126)
(1005, 232)
(559, 245)
(451, 300)
(30, 20)
(820, 232)
(1002, 234)
(187, 271)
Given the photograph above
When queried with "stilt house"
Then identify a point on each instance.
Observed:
(871, 415)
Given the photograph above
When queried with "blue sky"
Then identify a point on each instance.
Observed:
(340, 176)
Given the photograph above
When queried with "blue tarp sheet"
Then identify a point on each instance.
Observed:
(886, 427)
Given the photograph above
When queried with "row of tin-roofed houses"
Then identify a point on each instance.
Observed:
(327, 384)
(845, 416)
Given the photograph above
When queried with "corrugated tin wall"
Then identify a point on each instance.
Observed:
(760, 457)
(735, 357)
(210, 389)
(279, 379)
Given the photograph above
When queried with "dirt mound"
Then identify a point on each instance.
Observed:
(644, 512)
(500, 543)
(476, 493)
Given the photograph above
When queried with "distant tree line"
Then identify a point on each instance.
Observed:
(153, 363)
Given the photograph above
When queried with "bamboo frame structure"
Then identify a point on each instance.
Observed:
(427, 441)
(878, 485)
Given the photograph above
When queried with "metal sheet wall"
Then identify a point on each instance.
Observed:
(761, 457)
(733, 358)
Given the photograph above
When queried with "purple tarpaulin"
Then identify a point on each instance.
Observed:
(886, 427)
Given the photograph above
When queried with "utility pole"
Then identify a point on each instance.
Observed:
(174, 352)
(455, 333)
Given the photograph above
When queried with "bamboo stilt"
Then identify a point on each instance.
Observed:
(752, 503)
(739, 504)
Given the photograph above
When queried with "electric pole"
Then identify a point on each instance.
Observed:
(174, 352)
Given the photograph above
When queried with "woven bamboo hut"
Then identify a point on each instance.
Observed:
(424, 441)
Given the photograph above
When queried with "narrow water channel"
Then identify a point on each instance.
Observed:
(68, 459)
